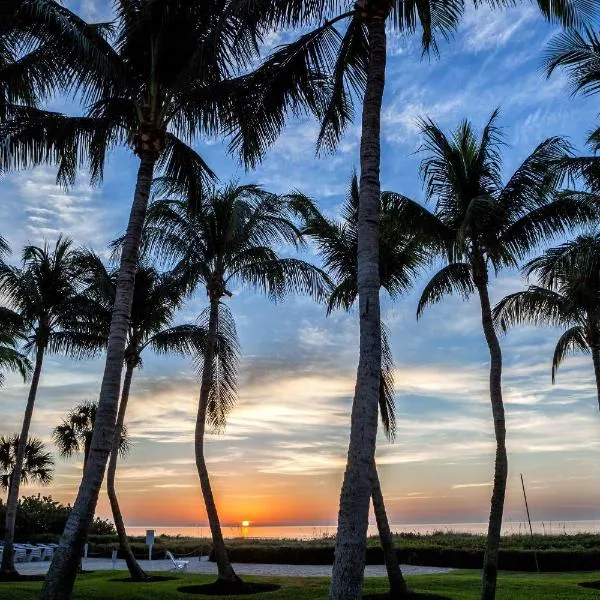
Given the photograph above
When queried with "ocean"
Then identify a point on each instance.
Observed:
(309, 532)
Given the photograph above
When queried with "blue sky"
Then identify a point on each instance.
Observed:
(282, 456)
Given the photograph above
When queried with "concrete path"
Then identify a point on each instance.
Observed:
(204, 567)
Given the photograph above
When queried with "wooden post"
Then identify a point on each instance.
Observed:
(537, 566)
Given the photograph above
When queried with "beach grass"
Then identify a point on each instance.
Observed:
(462, 585)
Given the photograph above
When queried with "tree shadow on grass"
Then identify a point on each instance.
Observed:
(410, 596)
(21, 578)
(220, 588)
(149, 579)
(594, 585)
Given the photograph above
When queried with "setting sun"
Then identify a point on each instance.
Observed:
(245, 523)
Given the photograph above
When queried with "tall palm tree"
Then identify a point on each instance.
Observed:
(156, 298)
(74, 434)
(176, 70)
(567, 296)
(356, 59)
(401, 255)
(481, 222)
(229, 239)
(38, 465)
(56, 318)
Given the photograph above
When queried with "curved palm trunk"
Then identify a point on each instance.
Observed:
(225, 570)
(136, 572)
(398, 587)
(596, 359)
(490, 561)
(7, 569)
(59, 581)
(350, 548)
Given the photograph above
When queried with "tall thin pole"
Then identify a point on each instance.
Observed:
(537, 566)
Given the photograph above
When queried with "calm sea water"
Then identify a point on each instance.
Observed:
(307, 532)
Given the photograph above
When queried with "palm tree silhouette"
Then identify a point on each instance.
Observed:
(38, 465)
(231, 238)
(480, 222)
(401, 257)
(56, 318)
(567, 296)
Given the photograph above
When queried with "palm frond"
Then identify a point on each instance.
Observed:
(387, 393)
(454, 278)
(571, 341)
(535, 306)
(223, 391)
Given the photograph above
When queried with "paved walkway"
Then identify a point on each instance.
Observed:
(209, 568)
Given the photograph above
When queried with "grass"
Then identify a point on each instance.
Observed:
(463, 585)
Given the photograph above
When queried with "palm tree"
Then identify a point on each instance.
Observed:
(176, 70)
(38, 465)
(228, 240)
(74, 434)
(479, 223)
(568, 296)
(156, 298)
(356, 60)
(57, 318)
(400, 259)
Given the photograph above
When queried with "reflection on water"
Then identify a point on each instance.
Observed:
(310, 532)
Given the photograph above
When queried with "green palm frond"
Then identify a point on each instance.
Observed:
(223, 390)
(579, 54)
(563, 214)
(74, 433)
(571, 341)
(536, 306)
(349, 77)
(387, 393)
(581, 255)
(454, 278)
(47, 293)
(38, 465)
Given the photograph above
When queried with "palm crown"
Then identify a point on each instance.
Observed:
(567, 296)
(74, 434)
(479, 220)
(38, 466)
(47, 294)
(401, 256)
(230, 241)
(174, 70)
(156, 299)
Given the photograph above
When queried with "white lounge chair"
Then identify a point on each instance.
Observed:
(21, 555)
(178, 565)
(35, 553)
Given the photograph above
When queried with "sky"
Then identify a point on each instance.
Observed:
(282, 456)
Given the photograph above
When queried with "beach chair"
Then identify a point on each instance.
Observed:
(21, 554)
(35, 553)
(178, 565)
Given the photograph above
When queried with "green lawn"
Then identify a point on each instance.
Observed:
(462, 585)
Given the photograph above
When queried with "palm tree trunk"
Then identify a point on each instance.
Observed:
(490, 561)
(398, 587)
(7, 569)
(596, 359)
(350, 548)
(226, 573)
(136, 572)
(59, 581)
